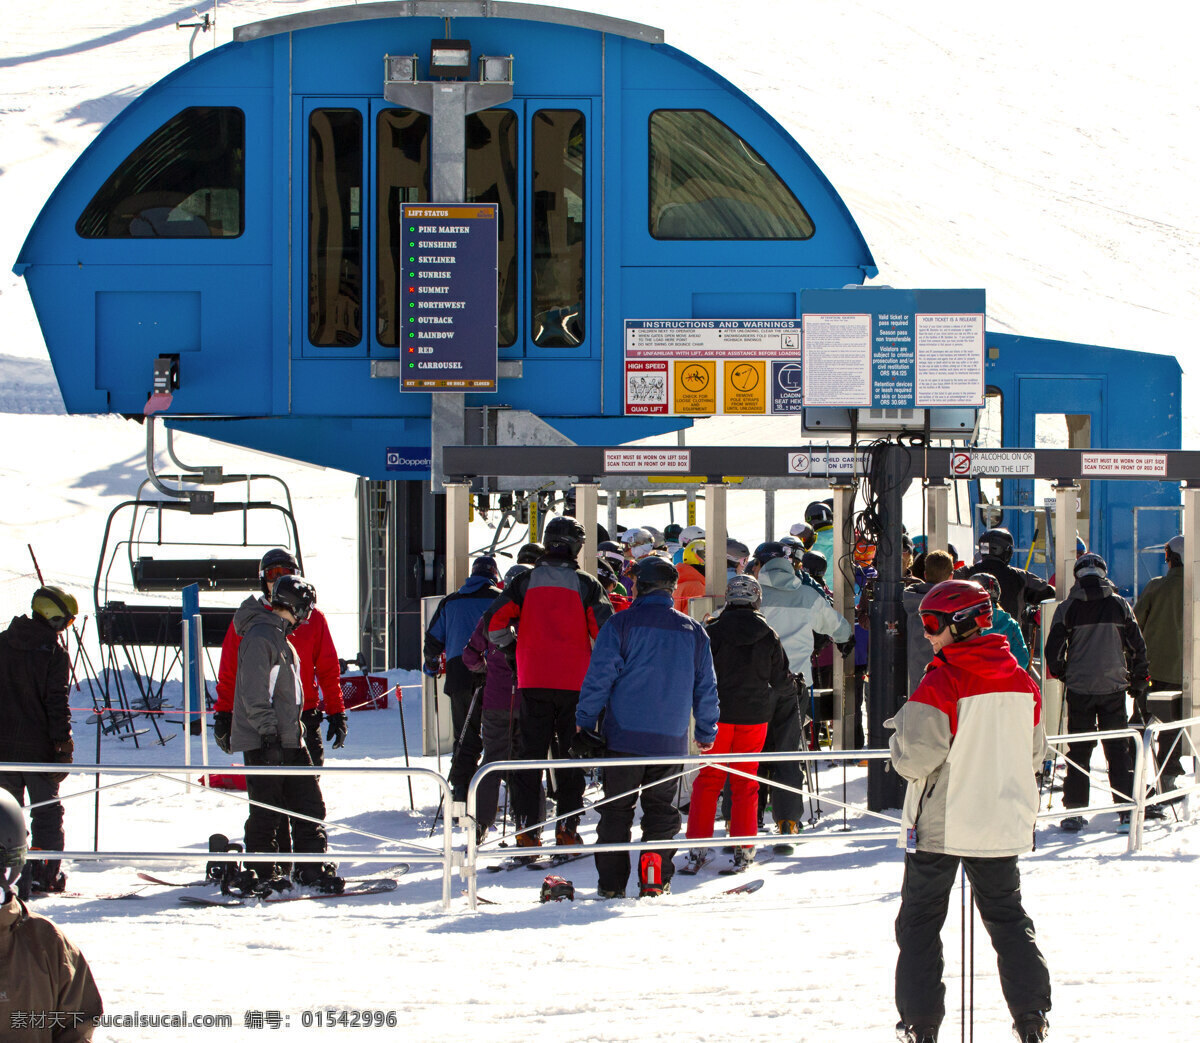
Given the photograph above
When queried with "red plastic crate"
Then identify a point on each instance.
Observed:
(364, 692)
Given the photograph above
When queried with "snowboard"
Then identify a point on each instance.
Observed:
(399, 869)
(379, 886)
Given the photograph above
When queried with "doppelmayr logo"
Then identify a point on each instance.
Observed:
(401, 459)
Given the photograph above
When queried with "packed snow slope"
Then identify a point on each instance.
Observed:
(1045, 152)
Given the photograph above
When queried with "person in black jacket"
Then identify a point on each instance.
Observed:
(35, 722)
(1018, 589)
(1096, 647)
(750, 661)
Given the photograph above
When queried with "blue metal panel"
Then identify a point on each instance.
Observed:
(235, 309)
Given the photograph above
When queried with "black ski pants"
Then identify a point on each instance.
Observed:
(1088, 713)
(500, 740)
(547, 725)
(297, 793)
(660, 818)
(310, 721)
(924, 900)
(45, 823)
(783, 733)
(466, 712)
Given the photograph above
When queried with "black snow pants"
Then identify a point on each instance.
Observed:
(45, 823)
(1086, 713)
(310, 721)
(660, 818)
(783, 733)
(547, 725)
(297, 793)
(500, 740)
(466, 712)
(924, 899)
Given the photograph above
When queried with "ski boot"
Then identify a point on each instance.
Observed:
(1072, 823)
(912, 1034)
(1123, 823)
(555, 889)
(787, 827)
(650, 881)
(528, 839)
(743, 857)
(320, 876)
(222, 872)
(47, 879)
(697, 858)
(249, 884)
(1032, 1028)
(567, 833)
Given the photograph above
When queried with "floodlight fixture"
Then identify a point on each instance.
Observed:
(450, 59)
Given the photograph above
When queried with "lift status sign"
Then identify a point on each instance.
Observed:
(448, 297)
(893, 349)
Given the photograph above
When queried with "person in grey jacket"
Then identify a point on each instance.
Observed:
(267, 700)
(1159, 613)
(794, 610)
(1095, 645)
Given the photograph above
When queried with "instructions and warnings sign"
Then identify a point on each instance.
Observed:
(702, 367)
(883, 349)
(821, 462)
(448, 299)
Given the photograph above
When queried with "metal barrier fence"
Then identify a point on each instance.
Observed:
(467, 858)
(409, 851)
(685, 765)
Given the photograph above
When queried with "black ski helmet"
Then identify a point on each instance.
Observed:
(655, 573)
(566, 534)
(815, 564)
(55, 606)
(485, 565)
(765, 552)
(1090, 565)
(606, 576)
(529, 554)
(275, 558)
(14, 839)
(996, 543)
(818, 514)
(295, 594)
(514, 571)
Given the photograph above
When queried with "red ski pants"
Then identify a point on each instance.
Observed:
(731, 738)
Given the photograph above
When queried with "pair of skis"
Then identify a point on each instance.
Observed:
(692, 867)
(535, 862)
(748, 888)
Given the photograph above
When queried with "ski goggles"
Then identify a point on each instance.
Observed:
(275, 571)
(934, 622)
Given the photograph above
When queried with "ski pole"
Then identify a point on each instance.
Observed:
(962, 956)
(454, 757)
(437, 728)
(971, 1008)
(412, 804)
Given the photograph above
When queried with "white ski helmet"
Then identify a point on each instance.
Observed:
(691, 532)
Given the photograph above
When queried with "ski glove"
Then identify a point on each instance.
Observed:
(337, 729)
(846, 647)
(433, 667)
(271, 749)
(222, 730)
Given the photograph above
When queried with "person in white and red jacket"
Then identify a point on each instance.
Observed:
(969, 741)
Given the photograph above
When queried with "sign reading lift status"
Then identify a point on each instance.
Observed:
(448, 297)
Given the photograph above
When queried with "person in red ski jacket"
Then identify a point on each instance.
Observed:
(969, 741)
(320, 672)
(546, 621)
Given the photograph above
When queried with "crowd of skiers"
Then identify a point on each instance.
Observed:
(553, 659)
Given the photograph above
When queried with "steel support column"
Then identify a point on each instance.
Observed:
(887, 664)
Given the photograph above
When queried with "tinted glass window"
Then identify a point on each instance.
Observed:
(403, 177)
(558, 228)
(707, 183)
(335, 277)
(492, 178)
(185, 181)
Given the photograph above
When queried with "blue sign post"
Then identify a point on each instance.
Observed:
(448, 330)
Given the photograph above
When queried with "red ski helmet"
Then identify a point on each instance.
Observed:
(960, 604)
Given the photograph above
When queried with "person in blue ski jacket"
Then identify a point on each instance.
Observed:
(448, 632)
(1002, 622)
(651, 670)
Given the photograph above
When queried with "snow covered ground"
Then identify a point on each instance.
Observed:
(1046, 152)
